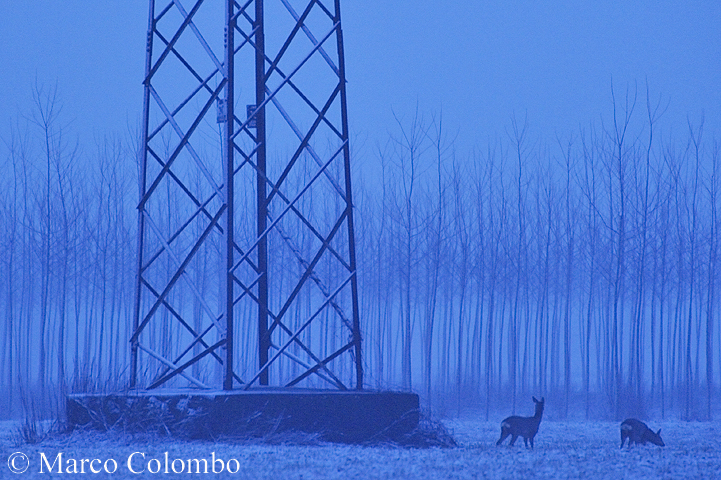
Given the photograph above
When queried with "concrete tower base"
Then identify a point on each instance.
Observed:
(334, 415)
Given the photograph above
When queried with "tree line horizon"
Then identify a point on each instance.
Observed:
(581, 268)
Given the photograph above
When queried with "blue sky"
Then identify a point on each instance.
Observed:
(479, 62)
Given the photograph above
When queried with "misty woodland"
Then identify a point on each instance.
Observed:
(582, 268)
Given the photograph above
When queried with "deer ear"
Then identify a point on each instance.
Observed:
(534, 399)
(543, 399)
(659, 432)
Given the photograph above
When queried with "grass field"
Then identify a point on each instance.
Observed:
(563, 450)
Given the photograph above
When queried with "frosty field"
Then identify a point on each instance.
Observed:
(563, 450)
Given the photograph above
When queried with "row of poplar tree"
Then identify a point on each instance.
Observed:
(582, 268)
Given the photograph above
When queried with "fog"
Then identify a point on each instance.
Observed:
(583, 269)
(519, 232)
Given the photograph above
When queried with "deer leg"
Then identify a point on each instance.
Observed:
(513, 439)
(504, 435)
(531, 439)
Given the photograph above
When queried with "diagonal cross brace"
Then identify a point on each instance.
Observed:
(300, 330)
(176, 276)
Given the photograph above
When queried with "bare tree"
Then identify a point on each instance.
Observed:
(588, 186)
(411, 144)
(437, 138)
(518, 137)
(713, 191)
(618, 138)
(695, 138)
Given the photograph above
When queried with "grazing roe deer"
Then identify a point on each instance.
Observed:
(526, 427)
(638, 432)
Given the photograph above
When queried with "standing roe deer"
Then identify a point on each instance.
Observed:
(526, 427)
(638, 432)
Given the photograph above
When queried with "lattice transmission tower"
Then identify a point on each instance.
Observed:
(246, 270)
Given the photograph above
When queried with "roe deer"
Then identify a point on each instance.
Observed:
(638, 432)
(526, 427)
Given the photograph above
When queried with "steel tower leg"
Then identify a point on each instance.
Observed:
(262, 215)
(349, 206)
(228, 169)
(142, 189)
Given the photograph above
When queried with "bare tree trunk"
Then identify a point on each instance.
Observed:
(411, 146)
(461, 237)
(496, 229)
(592, 228)
(619, 135)
(519, 144)
(45, 117)
(662, 301)
(711, 282)
(569, 276)
(696, 140)
(435, 262)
